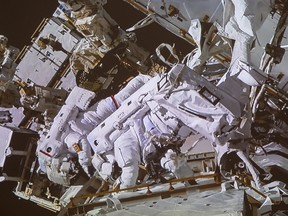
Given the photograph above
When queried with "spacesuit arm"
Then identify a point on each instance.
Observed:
(84, 159)
(82, 148)
(169, 161)
(84, 155)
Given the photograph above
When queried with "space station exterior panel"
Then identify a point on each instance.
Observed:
(34, 65)
(176, 16)
(67, 81)
(46, 62)
(189, 10)
(191, 204)
(63, 31)
(6, 135)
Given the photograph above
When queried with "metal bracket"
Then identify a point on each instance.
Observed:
(113, 203)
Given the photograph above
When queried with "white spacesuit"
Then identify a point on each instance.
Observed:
(126, 150)
(97, 113)
(222, 117)
(66, 139)
(175, 104)
(135, 145)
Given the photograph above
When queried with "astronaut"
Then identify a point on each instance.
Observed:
(95, 114)
(209, 111)
(173, 105)
(141, 134)
(66, 139)
(143, 141)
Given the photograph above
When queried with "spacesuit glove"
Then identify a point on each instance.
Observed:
(106, 171)
(83, 159)
(171, 154)
(170, 161)
(85, 163)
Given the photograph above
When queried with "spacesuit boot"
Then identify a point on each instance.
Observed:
(128, 177)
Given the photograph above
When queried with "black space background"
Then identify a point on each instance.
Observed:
(19, 19)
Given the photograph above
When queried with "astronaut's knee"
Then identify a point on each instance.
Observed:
(129, 175)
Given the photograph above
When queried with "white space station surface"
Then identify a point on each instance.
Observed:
(98, 123)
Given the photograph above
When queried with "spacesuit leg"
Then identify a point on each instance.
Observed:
(127, 155)
(129, 175)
